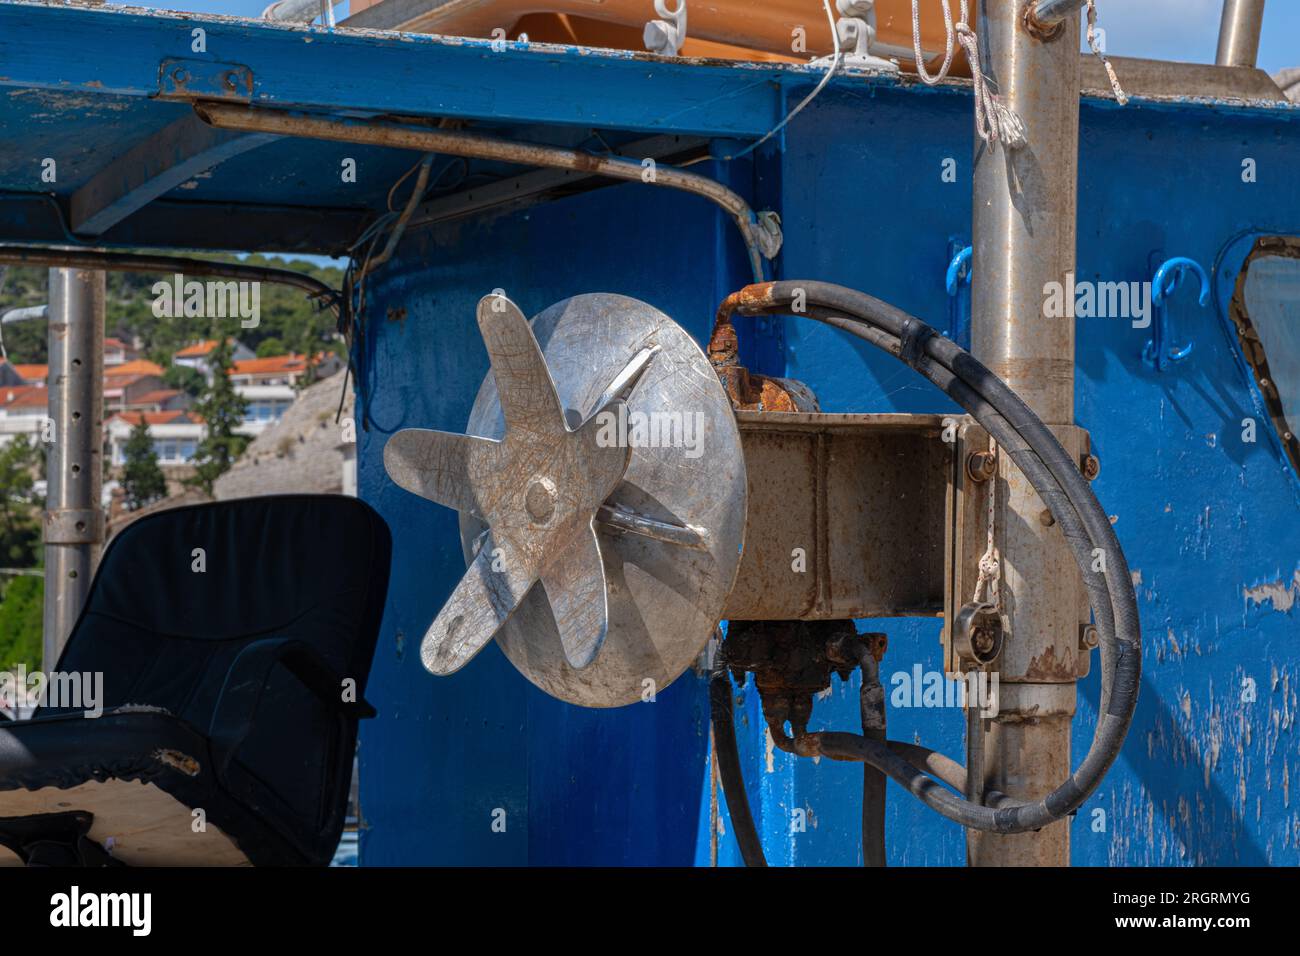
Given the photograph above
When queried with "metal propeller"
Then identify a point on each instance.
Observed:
(538, 489)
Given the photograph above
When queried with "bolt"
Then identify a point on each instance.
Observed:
(981, 466)
(1046, 518)
(539, 499)
(1088, 638)
(180, 75)
(1091, 467)
(229, 79)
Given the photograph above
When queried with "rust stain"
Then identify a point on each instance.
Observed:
(746, 390)
(178, 761)
(1046, 667)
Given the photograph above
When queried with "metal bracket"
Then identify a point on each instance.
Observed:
(182, 79)
(74, 526)
(965, 541)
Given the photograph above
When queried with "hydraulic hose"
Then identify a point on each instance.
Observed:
(1063, 489)
(733, 781)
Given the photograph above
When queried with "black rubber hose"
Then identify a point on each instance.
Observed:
(733, 781)
(872, 705)
(1055, 477)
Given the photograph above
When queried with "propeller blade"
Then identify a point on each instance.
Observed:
(486, 596)
(575, 587)
(444, 467)
(529, 401)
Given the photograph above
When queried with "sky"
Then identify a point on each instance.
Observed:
(1186, 30)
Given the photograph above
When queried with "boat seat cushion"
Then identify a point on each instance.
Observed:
(231, 643)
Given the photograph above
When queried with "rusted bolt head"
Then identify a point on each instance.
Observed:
(180, 74)
(1036, 28)
(1091, 467)
(1088, 637)
(981, 466)
(1046, 518)
(230, 80)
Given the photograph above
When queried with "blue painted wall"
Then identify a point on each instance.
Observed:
(1211, 526)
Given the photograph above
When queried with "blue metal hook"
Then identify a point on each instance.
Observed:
(1160, 352)
(959, 270)
(959, 276)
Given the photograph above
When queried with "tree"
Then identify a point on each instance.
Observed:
(22, 602)
(185, 379)
(270, 348)
(142, 479)
(20, 530)
(222, 410)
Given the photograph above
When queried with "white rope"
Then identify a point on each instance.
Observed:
(949, 47)
(1095, 44)
(990, 562)
(994, 122)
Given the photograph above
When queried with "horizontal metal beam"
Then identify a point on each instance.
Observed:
(210, 226)
(404, 74)
(154, 166)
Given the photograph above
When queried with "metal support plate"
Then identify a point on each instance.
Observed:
(846, 516)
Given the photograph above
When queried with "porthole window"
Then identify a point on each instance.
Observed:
(1265, 311)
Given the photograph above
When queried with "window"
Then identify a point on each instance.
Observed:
(268, 410)
(1266, 313)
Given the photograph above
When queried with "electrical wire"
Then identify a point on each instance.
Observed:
(830, 72)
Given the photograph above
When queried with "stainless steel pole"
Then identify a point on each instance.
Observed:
(1239, 32)
(74, 520)
(1024, 240)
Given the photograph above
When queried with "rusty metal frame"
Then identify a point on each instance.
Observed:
(865, 499)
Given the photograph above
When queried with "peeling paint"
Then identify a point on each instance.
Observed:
(1283, 594)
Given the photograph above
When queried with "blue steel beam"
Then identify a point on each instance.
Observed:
(152, 168)
(100, 51)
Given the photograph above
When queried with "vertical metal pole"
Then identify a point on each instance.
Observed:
(74, 521)
(1239, 32)
(1024, 239)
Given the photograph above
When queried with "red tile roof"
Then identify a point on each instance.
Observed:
(137, 367)
(198, 349)
(177, 416)
(33, 372)
(24, 396)
(155, 397)
(267, 366)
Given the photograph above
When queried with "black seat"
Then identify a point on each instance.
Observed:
(234, 641)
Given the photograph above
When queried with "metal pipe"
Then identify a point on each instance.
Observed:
(1239, 32)
(1024, 240)
(758, 241)
(74, 520)
(90, 258)
(25, 314)
(1050, 12)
